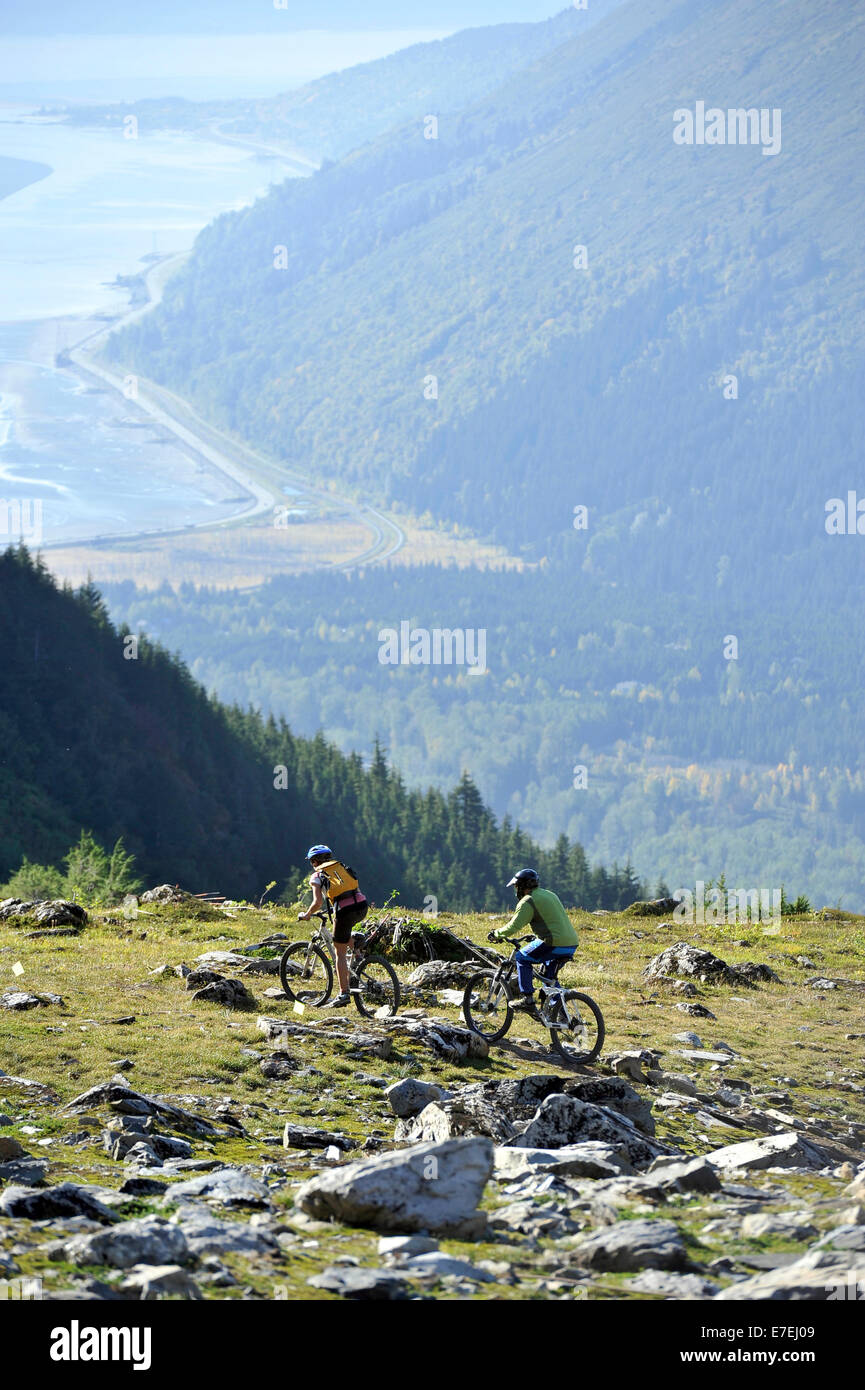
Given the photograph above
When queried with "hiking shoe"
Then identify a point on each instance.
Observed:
(339, 1002)
(525, 1003)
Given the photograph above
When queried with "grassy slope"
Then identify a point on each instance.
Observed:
(179, 1048)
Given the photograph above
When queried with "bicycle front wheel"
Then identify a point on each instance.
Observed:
(577, 1028)
(375, 988)
(485, 1005)
(305, 973)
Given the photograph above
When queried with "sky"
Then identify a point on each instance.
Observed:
(260, 16)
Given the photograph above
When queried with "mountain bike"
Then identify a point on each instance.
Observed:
(574, 1022)
(306, 970)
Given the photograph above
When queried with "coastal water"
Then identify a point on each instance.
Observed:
(79, 452)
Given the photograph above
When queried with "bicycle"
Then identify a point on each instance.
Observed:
(306, 970)
(573, 1020)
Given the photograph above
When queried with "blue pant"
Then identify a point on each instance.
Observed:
(534, 954)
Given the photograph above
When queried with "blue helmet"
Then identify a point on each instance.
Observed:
(317, 850)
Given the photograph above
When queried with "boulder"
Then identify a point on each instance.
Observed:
(589, 1160)
(654, 907)
(819, 1276)
(206, 1235)
(361, 1283)
(64, 1200)
(279, 1066)
(306, 1137)
(408, 1096)
(26, 1171)
(445, 1040)
(166, 893)
(431, 1187)
(54, 913)
(231, 994)
(685, 1175)
(530, 1218)
(438, 974)
(398, 1246)
(630, 1245)
(437, 1265)
(678, 1286)
(148, 1282)
(232, 1187)
(458, 1115)
(148, 1241)
(203, 975)
(788, 1150)
(684, 959)
(19, 999)
(785, 1225)
(563, 1120)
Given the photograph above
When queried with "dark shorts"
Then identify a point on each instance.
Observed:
(347, 918)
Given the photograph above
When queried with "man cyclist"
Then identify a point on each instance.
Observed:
(541, 911)
(350, 908)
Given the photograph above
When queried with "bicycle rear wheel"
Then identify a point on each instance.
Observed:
(306, 973)
(485, 1005)
(579, 1029)
(375, 987)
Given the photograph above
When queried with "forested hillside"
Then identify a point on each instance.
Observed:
(695, 765)
(127, 745)
(337, 113)
(453, 259)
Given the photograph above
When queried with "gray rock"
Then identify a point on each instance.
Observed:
(279, 1066)
(143, 1187)
(561, 1121)
(530, 1218)
(27, 1172)
(232, 1187)
(406, 1245)
(677, 1286)
(589, 1160)
(787, 1150)
(430, 1188)
(141, 1155)
(207, 1235)
(458, 1116)
(686, 1175)
(166, 893)
(684, 959)
(408, 1096)
(444, 1039)
(231, 994)
(819, 1276)
(633, 1245)
(695, 1010)
(437, 974)
(197, 979)
(436, 1265)
(17, 999)
(149, 1282)
(306, 1137)
(785, 1225)
(65, 1199)
(361, 1283)
(850, 1236)
(124, 1101)
(675, 1081)
(149, 1241)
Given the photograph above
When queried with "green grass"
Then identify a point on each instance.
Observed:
(174, 1043)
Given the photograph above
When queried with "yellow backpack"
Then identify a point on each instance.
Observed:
(339, 879)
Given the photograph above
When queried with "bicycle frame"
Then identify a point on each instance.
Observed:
(550, 990)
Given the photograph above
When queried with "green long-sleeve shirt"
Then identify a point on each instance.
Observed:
(542, 912)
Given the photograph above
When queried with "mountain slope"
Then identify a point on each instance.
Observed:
(339, 112)
(94, 736)
(453, 259)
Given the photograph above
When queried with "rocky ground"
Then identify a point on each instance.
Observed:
(170, 1127)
